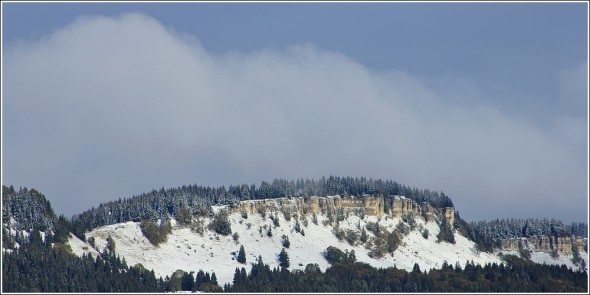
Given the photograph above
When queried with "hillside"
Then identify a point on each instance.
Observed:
(396, 235)
(188, 250)
(37, 256)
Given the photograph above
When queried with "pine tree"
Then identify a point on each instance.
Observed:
(213, 278)
(364, 236)
(187, 281)
(286, 242)
(284, 259)
(242, 255)
(111, 244)
(416, 268)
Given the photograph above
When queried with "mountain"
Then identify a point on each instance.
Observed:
(407, 234)
(176, 234)
(36, 255)
(261, 226)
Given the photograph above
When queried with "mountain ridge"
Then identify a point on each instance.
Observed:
(383, 231)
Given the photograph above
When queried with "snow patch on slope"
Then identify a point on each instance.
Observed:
(546, 258)
(80, 247)
(211, 252)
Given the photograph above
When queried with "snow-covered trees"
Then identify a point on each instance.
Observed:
(446, 233)
(335, 255)
(285, 241)
(489, 234)
(165, 203)
(183, 216)
(29, 207)
(220, 223)
(154, 233)
(111, 246)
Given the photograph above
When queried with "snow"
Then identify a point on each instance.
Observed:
(545, 258)
(216, 209)
(80, 247)
(189, 251)
(415, 249)
(12, 232)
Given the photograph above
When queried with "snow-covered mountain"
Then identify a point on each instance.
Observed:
(262, 225)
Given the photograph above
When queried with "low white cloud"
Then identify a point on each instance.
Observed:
(111, 107)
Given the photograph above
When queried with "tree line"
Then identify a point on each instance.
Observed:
(517, 275)
(491, 233)
(164, 203)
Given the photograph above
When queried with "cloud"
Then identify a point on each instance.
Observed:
(110, 107)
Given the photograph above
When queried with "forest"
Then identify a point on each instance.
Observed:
(491, 233)
(45, 263)
(39, 267)
(517, 275)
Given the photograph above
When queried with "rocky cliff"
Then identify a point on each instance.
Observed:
(541, 243)
(401, 205)
(367, 204)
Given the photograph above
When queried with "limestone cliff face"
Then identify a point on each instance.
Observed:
(449, 215)
(580, 244)
(369, 205)
(546, 244)
(540, 243)
(375, 206)
(402, 205)
(510, 244)
(564, 244)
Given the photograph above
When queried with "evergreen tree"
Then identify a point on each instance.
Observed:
(214, 278)
(111, 244)
(242, 255)
(284, 259)
(364, 236)
(188, 281)
(285, 241)
(220, 223)
(416, 268)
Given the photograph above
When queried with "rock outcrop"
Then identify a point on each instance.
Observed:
(402, 205)
(449, 215)
(540, 243)
(368, 205)
(546, 244)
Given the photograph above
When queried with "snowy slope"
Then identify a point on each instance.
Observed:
(188, 251)
(80, 247)
(545, 258)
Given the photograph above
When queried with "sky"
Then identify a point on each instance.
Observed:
(487, 102)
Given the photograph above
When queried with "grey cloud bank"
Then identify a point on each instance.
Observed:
(111, 107)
